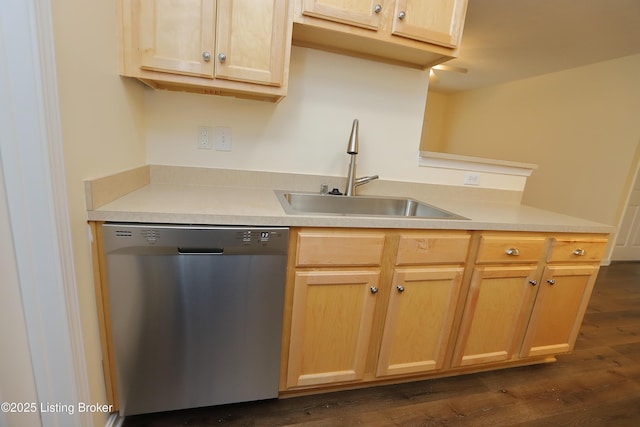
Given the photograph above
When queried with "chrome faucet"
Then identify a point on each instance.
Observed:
(352, 149)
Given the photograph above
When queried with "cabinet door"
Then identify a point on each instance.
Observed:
(560, 305)
(495, 315)
(175, 37)
(439, 22)
(359, 13)
(251, 45)
(419, 319)
(331, 324)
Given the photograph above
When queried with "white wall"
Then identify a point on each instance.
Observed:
(581, 126)
(435, 115)
(102, 119)
(307, 132)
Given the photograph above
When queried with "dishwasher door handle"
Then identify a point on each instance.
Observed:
(200, 251)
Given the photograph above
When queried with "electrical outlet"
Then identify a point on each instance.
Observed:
(471, 179)
(205, 138)
(223, 138)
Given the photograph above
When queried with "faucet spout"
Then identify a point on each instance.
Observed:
(352, 149)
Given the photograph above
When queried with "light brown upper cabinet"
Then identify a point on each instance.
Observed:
(359, 13)
(239, 48)
(415, 33)
(436, 21)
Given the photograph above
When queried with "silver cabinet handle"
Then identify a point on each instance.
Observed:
(533, 282)
(579, 252)
(206, 56)
(373, 290)
(551, 282)
(512, 251)
(400, 288)
(377, 8)
(402, 15)
(222, 57)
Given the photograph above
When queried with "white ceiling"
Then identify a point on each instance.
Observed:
(507, 40)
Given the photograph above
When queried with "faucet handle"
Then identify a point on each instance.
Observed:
(365, 179)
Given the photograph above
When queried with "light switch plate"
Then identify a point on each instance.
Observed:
(223, 138)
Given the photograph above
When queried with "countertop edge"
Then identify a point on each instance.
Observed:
(341, 222)
(248, 198)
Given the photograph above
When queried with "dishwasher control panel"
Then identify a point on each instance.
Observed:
(220, 239)
(253, 236)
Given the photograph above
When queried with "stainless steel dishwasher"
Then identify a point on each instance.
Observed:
(196, 313)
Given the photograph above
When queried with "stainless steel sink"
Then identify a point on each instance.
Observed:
(315, 203)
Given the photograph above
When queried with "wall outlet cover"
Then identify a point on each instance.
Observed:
(205, 138)
(471, 179)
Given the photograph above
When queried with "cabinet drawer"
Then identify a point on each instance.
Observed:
(335, 248)
(577, 249)
(510, 248)
(432, 248)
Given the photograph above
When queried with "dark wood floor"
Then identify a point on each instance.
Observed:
(597, 385)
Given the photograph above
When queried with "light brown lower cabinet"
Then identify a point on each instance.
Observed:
(572, 266)
(333, 316)
(514, 312)
(428, 303)
(495, 315)
(560, 306)
(378, 304)
(419, 319)
(331, 326)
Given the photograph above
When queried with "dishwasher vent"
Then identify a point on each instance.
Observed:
(123, 233)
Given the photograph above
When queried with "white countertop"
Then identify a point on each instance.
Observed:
(193, 204)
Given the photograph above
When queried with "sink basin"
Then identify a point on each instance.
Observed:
(315, 203)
